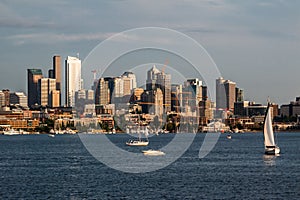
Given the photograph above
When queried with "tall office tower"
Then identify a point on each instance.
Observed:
(158, 79)
(54, 99)
(102, 93)
(153, 102)
(18, 98)
(119, 87)
(176, 95)
(152, 78)
(206, 110)
(57, 71)
(225, 94)
(33, 75)
(73, 79)
(45, 88)
(192, 92)
(129, 79)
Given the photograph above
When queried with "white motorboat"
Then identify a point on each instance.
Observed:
(152, 152)
(11, 132)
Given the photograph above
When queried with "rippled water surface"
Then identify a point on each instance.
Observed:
(42, 167)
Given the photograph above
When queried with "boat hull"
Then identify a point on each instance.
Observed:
(137, 143)
(272, 151)
(153, 153)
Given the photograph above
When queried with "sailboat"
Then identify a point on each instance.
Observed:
(139, 142)
(270, 146)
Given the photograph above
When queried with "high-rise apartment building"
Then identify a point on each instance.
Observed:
(33, 75)
(73, 79)
(225, 94)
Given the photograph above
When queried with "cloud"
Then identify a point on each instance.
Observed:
(10, 18)
(47, 38)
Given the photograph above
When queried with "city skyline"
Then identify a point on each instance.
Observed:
(263, 37)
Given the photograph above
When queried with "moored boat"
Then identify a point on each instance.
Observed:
(11, 132)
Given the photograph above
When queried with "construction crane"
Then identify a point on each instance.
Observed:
(165, 65)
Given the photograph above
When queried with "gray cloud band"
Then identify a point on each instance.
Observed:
(139, 40)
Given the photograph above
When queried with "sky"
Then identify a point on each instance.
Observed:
(254, 43)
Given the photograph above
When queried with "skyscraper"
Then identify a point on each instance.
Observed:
(45, 88)
(129, 82)
(158, 79)
(33, 75)
(57, 71)
(225, 94)
(102, 93)
(73, 79)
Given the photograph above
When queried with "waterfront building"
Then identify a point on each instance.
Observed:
(291, 109)
(240, 108)
(19, 98)
(73, 79)
(33, 75)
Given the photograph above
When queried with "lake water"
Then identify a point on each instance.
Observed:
(41, 167)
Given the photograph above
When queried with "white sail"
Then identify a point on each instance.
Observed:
(268, 129)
